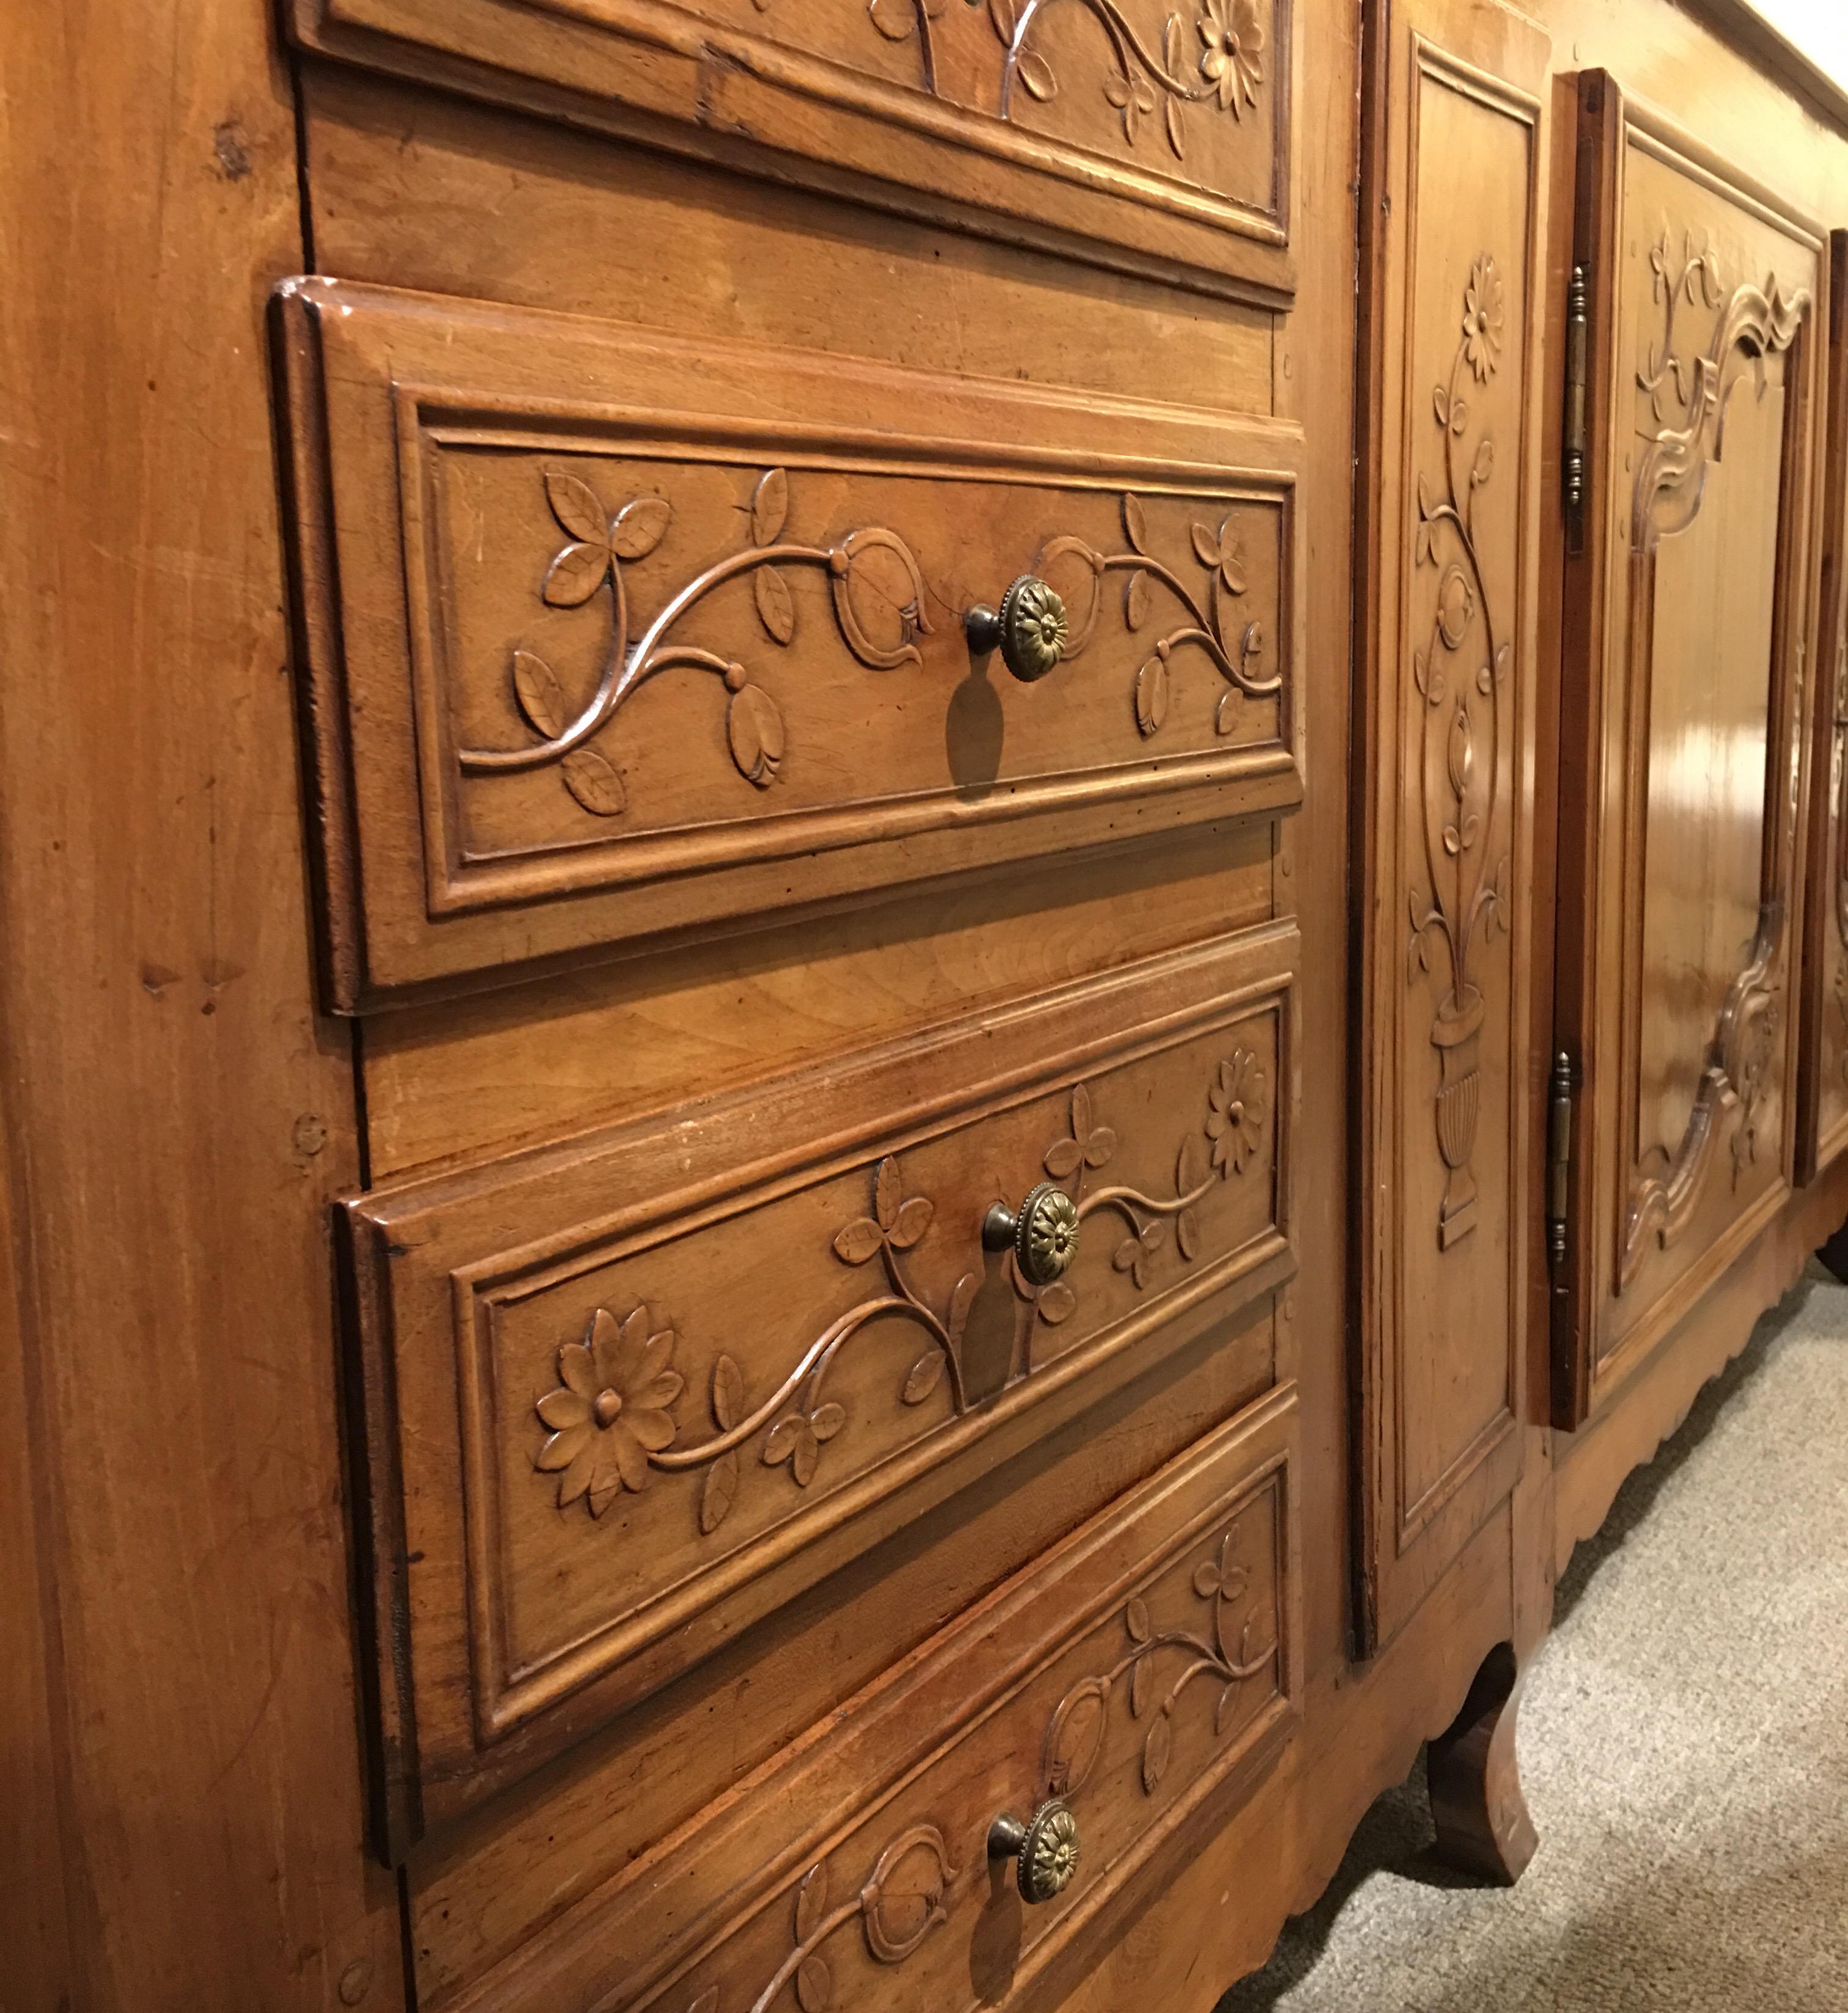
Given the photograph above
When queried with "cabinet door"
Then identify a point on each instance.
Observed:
(1686, 589)
(1822, 1067)
(1455, 303)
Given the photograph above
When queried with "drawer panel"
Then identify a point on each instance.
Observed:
(1130, 130)
(627, 1394)
(1144, 1671)
(610, 634)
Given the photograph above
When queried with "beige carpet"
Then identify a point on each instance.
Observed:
(1684, 1744)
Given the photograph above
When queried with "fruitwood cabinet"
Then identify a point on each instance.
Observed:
(918, 909)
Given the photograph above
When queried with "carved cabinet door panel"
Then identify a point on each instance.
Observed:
(1455, 300)
(1685, 599)
(1822, 1064)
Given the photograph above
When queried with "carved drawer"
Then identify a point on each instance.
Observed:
(610, 634)
(626, 1395)
(1142, 1674)
(1137, 132)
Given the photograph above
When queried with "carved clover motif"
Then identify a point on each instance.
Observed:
(798, 1439)
(610, 1409)
(1235, 1114)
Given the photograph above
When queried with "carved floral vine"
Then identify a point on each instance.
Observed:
(1464, 898)
(1226, 71)
(611, 1416)
(601, 542)
(1206, 622)
(1075, 1732)
(894, 1922)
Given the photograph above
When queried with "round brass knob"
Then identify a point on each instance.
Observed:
(1029, 629)
(1044, 1850)
(1043, 1233)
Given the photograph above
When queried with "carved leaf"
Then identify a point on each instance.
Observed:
(576, 574)
(577, 507)
(1175, 140)
(814, 1985)
(1187, 1234)
(1062, 1159)
(811, 1901)
(707, 2002)
(808, 1452)
(1001, 14)
(1171, 45)
(1135, 1618)
(1036, 74)
(540, 697)
(913, 1220)
(1222, 1713)
(1155, 1754)
(927, 1374)
(784, 1437)
(1126, 1255)
(887, 1194)
(827, 1420)
(1151, 695)
(719, 1494)
(1081, 1110)
(1206, 543)
(770, 507)
(894, 19)
(1186, 1163)
(729, 1393)
(1440, 404)
(776, 609)
(640, 527)
(1227, 718)
(1099, 1146)
(1135, 523)
(1056, 1303)
(754, 728)
(1135, 601)
(1484, 463)
(860, 1241)
(1459, 414)
(961, 1300)
(592, 782)
(1139, 1681)
(1205, 1579)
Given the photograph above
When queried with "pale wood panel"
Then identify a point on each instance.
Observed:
(176, 1118)
(411, 188)
(1124, 131)
(1450, 781)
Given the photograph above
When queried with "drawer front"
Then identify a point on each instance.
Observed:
(627, 1395)
(1137, 131)
(610, 634)
(1146, 1668)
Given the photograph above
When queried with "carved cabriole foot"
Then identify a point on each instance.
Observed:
(1482, 1823)
(1833, 1254)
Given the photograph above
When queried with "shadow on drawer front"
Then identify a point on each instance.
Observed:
(610, 634)
(1143, 1671)
(627, 1394)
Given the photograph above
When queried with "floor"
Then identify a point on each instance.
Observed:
(1683, 1740)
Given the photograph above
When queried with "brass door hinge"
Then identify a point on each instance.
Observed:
(1577, 344)
(1559, 1161)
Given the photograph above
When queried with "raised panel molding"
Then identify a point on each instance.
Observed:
(1452, 277)
(610, 634)
(626, 1396)
(1141, 133)
(1685, 712)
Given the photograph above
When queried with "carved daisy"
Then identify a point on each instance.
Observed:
(1235, 1114)
(1235, 41)
(609, 1410)
(1484, 313)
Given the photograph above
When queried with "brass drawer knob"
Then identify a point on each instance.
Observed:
(1043, 1233)
(1029, 629)
(1044, 1849)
